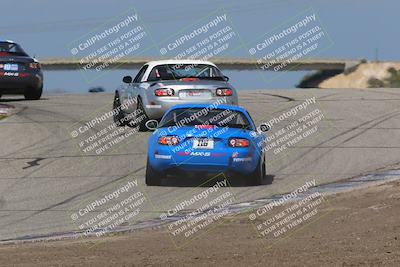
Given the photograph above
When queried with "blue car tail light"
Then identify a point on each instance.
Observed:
(168, 140)
(238, 142)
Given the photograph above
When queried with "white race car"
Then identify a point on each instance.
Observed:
(162, 84)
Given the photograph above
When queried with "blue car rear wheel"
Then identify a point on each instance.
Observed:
(153, 177)
(257, 176)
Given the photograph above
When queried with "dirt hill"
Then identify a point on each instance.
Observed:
(361, 75)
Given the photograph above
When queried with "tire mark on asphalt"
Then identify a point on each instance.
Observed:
(37, 123)
(92, 130)
(73, 156)
(33, 163)
(17, 182)
(65, 201)
(380, 119)
(64, 177)
(26, 113)
(280, 96)
(53, 147)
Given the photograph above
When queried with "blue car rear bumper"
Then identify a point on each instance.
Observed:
(241, 161)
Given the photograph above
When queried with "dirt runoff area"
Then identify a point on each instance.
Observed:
(357, 228)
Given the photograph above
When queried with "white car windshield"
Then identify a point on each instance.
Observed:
(180, 71)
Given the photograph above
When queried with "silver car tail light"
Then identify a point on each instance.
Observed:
(164, 92)
(224, 92)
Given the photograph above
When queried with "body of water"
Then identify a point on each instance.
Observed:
(76, 81)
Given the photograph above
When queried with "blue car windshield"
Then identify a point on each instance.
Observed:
(203, 116)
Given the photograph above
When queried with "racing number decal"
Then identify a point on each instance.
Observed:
(203, 142)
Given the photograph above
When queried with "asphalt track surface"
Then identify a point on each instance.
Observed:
(45, 177)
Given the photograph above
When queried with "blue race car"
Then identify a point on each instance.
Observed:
(206, 139)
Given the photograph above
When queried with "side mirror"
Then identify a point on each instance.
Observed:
(265, 127)
(127, 79)
(151, 125)
(226, 78)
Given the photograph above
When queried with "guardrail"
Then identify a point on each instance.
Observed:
(223, 63)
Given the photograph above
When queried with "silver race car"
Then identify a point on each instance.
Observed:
(162, 84)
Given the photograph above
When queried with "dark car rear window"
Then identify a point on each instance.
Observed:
(11, 48)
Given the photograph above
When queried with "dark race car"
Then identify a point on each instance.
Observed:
(19, 73)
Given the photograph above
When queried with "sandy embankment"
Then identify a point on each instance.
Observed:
(360, 76)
